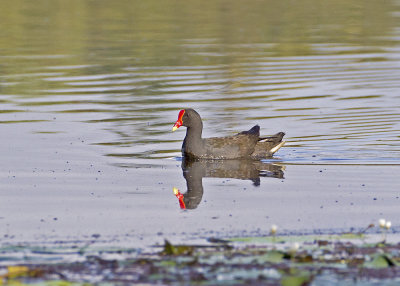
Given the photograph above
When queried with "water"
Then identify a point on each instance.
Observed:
(89, 91)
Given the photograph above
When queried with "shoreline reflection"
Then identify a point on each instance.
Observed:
(195, 170)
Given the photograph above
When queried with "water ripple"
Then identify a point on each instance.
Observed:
(343, 105)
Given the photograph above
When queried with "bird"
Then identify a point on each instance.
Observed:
(244, 145)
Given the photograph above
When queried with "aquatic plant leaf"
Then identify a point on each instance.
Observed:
(17, 271)
(272, 257)
(170, 249)
(256, 240)
(322, 242)
(380, 261)
(295, 280)
(63, 283)
(304, 258)
(295, 238)
(351, 235)
(217, 240)
(168, 263)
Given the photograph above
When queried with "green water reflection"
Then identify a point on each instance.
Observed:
(155, 33)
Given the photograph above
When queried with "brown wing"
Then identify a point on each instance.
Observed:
(232, 147)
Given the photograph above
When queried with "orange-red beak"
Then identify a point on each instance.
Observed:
(179, 122)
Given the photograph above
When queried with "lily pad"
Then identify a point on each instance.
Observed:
(380, 261)
(272, 257)
(300, 279)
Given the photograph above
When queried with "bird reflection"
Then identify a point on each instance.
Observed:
(195, 170)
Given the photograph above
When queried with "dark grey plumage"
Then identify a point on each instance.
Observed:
(246, 144)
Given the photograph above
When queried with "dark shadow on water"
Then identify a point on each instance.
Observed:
(195, 170)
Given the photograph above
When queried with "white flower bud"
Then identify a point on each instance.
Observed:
(388, 224)
(274, 228)
(295, 247)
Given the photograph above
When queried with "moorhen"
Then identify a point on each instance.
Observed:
(244, 145)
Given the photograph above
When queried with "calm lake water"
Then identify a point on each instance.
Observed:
(89, 91)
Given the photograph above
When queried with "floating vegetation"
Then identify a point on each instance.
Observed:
(270, 260)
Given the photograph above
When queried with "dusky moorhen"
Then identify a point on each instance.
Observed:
(244, 145)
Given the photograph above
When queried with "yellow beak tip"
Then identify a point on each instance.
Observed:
(174, 128)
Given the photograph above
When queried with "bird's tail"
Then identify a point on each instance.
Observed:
(267, 146)
(255, 130)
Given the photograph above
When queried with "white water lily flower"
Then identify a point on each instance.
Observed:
(388, 224)
(382, 223)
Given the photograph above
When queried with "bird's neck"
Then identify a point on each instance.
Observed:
(193, 133)
(193, 144)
